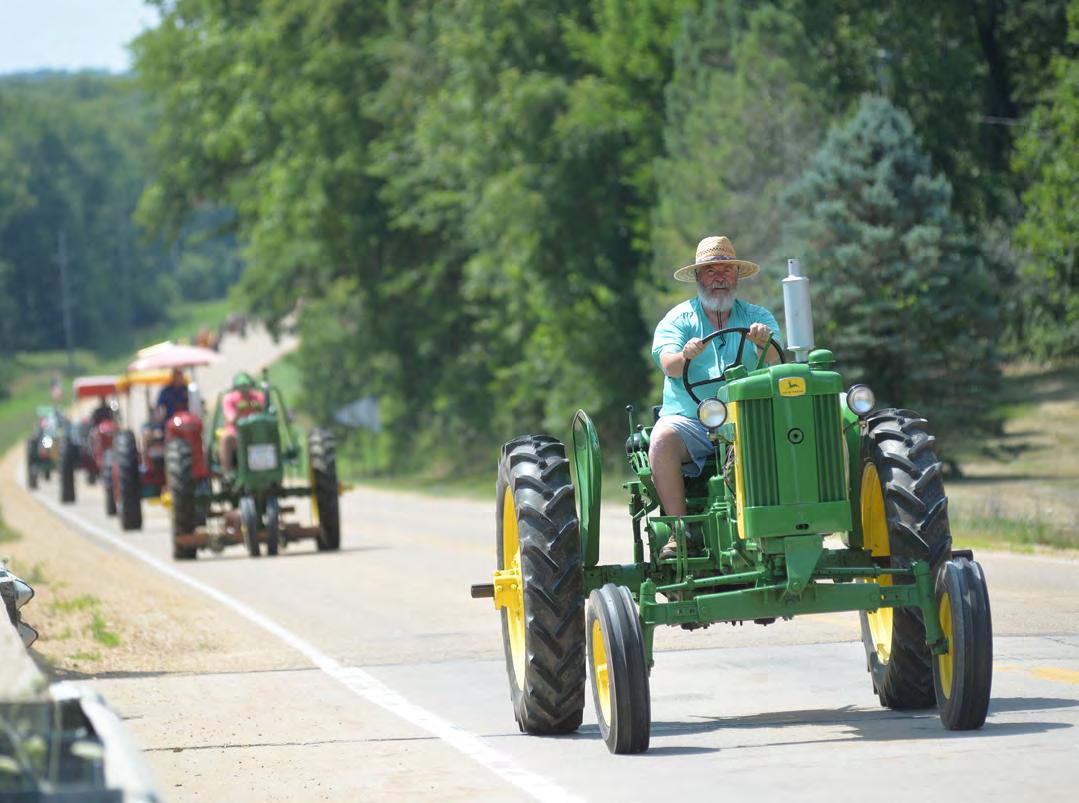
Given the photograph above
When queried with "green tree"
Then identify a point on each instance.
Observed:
(901, 295)
(1048, 155)
(742, 119)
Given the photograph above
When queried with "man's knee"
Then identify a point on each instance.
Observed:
(665, 442)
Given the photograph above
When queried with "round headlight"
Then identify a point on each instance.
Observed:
(860, 400)
(712, 413)
(46, 442)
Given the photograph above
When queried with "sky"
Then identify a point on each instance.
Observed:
(70, 34)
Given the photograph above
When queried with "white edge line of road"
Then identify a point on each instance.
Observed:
(353, 678)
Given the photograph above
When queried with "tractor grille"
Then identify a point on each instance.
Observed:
(826, 422)
(758, 452)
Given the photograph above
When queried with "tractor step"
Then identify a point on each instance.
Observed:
(483, 591)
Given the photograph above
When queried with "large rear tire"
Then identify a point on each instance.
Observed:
(180, 474)
(963, 677)
(31, 464)
(69, 454)
(619, 670)
(322, 457)
(129, 500)
(543, 631)
(107, 484)
(904, 518)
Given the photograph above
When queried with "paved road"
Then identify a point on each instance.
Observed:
(390, 684)
(728, 703)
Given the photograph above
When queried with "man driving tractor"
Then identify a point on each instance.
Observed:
(679, 442)
(173, 397)
(103, 412)
(240, 402)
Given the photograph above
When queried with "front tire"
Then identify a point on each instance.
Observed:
(249, 524)
(129, 499)
(963, 677)
(904, 518)
(180, 475)
(322, 458)
(273, 525)
(619, 671)
(543, 634)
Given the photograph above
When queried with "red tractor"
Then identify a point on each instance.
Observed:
(138, 470)
(85, 444)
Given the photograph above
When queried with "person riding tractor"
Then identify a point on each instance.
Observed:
(800, 497)
(238, 403)
(680, 442)
(86, 443)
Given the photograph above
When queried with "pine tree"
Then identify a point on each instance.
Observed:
(901, 294)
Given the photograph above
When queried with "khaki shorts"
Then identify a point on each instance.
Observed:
(695, 436)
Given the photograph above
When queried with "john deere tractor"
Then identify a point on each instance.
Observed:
(42, 447)
(250, 505)
(813, 502)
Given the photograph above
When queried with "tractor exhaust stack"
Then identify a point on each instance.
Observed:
(799, 312)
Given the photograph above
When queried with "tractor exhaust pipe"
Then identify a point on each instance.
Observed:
(799, 312)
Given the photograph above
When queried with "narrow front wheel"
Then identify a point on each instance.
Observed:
(273, 525)
(618, 670)
(249, 524)
(963, 676)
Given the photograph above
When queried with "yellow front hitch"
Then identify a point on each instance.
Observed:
(507, 589)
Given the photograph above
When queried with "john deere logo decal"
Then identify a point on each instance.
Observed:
(792, 386)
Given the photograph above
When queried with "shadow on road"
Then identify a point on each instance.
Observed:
(876, 726)
(239, 553)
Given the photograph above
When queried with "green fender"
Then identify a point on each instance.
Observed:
(589, 471)
(852, 437)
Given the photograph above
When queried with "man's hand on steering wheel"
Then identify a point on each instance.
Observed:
(759, 335)
(693, 349)
(760, 330)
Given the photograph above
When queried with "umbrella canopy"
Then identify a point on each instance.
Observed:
(174, 356)
(87, 387)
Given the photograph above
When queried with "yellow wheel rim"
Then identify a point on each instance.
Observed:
(875, 539)
(515, 602)
(944, 662)
(600, 675)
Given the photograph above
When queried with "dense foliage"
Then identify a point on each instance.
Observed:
(902, 295)
(476, 204)
(1048, 155)
(73, 164)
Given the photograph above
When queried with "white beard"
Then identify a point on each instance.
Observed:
(720, 301)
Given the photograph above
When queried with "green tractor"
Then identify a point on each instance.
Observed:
(245, 506)
(797, 461)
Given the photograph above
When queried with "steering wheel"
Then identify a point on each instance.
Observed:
(744, 333)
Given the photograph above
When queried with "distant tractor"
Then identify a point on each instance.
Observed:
(804, 459)
(139, 472)
(249, 505)
(43, 445)
(86, 444)
(138, 476)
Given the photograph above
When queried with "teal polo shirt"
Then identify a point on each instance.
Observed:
(689, 320)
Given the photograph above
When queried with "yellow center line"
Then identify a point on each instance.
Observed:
(1054, 674)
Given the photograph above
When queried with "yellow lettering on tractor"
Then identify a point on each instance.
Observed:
(792, 386)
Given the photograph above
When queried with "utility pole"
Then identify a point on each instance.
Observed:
(65, 300)
(125, 284)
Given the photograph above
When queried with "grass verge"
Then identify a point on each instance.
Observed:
(33, 372)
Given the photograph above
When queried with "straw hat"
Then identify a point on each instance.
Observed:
(713, 251)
